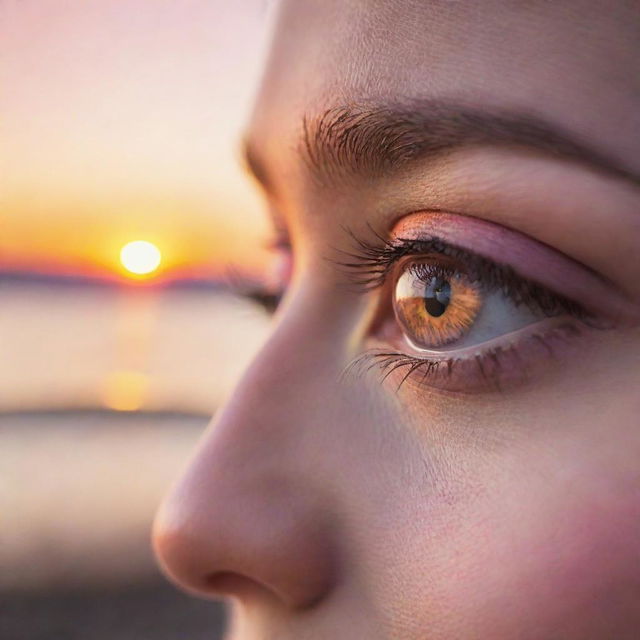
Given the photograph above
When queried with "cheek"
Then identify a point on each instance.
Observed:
(552, 556)
(517, 547)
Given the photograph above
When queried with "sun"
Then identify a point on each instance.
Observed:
(140, 257)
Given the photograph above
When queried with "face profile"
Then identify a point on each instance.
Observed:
(440, 438)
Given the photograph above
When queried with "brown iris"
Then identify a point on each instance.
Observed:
(435, 305)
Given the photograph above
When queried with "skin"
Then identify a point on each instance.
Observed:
(327, 505)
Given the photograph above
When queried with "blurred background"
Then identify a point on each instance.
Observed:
(123, 207)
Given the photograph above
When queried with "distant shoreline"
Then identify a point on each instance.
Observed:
(26, 278)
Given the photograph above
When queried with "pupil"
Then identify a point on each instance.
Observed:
(437, 295)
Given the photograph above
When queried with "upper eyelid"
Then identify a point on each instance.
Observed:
(377, 261)
(544, 265)
(492, 275)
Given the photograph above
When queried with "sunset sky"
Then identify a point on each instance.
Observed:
(119, 121)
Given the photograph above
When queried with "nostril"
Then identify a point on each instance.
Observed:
(235, 585)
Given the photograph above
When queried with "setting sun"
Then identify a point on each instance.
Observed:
(140, 257)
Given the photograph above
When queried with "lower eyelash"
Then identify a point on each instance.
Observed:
(490, 369)
(388, 362)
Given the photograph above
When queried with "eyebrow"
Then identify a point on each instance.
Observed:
(370, 140)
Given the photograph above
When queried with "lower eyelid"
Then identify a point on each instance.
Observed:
(492, 366)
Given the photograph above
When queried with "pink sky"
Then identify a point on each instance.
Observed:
(119, 121)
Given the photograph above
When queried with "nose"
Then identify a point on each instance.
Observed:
(248, 518)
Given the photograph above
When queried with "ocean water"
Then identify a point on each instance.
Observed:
(104, 393)
(78, 345)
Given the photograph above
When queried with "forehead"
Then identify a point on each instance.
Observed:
(573, 62)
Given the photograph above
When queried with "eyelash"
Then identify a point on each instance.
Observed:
(370, 266)
(263, 295)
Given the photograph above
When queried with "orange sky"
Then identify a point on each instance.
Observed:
(119, 121)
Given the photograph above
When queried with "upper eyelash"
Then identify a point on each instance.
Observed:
(370, 265)
(243, 286)
(238, 283)
(268, 302)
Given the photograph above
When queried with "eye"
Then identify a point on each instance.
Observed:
(435, 304)
(441, 306)
(453, 319)
(465, 324)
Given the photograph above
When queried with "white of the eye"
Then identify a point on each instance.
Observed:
(497, 317)
(540, 328)
(409, 286)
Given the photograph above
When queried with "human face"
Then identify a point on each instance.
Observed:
(474, 162)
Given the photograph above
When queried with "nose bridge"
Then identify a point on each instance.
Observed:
(249, 507)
